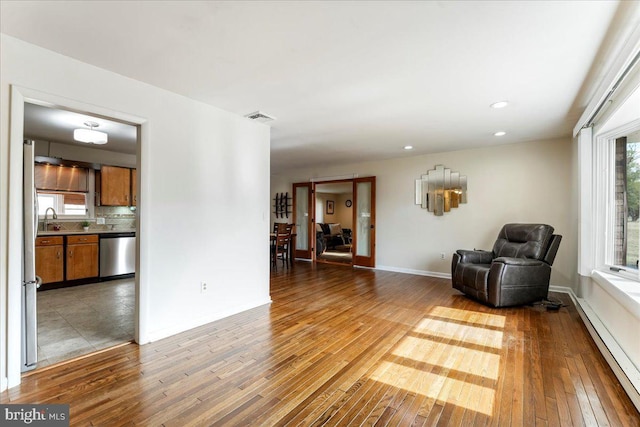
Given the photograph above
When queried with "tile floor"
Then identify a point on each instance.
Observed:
(83, 319)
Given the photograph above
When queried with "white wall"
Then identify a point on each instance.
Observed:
(203, 201)
(526, 182)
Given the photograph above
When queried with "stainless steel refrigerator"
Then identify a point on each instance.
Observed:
(30, 282)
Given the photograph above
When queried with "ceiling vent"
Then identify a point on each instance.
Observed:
(259, 116)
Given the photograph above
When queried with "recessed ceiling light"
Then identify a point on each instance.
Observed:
(499, 104)
(500, 133)
(408, 147)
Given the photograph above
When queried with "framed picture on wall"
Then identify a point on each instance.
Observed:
(330, 207)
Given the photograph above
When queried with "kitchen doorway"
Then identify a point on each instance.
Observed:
(78, 309)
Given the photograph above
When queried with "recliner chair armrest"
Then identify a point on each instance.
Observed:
(523, 262)
(475, 256)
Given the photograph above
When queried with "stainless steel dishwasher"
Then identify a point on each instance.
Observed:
(117, 254)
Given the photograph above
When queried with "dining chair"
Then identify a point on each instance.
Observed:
(280, 249)
(280, 227)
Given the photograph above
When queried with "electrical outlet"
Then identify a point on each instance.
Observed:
(203, 287)
(441, 255)
(100, 220)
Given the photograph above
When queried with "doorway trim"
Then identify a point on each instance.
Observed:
(15, 213)
(356, 261)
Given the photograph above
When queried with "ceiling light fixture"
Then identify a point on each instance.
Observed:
(500, 133)
(499, 104)
(90, 136)
(408, 147)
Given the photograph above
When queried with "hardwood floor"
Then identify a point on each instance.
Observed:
(342, 346)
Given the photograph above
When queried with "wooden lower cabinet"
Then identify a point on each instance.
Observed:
(82, 256)
(50, 259)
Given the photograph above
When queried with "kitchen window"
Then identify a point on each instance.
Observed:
(65, 204)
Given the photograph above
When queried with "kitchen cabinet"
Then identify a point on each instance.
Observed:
(49, 253)
(60, 178)
(115, 186)
(82, 256)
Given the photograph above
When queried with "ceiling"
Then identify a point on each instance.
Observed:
(51, 124)
(350, 81)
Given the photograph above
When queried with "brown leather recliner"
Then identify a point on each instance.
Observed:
(515, 272)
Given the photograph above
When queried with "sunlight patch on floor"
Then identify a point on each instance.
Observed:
(469, 334)
(485, 319)
(461, 359)
(451, 361)
(446, 390)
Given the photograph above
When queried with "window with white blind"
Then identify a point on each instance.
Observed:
(65, 204)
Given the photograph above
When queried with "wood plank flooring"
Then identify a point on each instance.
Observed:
(342, 346)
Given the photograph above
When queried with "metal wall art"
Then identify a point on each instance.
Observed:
(282, 205)
(439, 190)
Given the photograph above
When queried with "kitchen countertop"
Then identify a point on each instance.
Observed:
(70, 232)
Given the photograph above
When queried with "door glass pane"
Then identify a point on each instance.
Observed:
(363, 218)
(302, 218)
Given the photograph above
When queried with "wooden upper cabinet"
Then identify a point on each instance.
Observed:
(60, 178)
(115, 186)
(134, 187)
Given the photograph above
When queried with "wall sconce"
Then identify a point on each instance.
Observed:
(439, 190)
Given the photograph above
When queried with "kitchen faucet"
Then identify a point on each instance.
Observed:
(55, 216)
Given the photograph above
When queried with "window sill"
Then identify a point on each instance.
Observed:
(623, 290)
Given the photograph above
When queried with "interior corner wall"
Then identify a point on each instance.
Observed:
(204, 193)
(524, 182)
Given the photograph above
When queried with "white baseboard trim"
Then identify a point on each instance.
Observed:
(562, 290)
(413, 271)
(621, 365)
